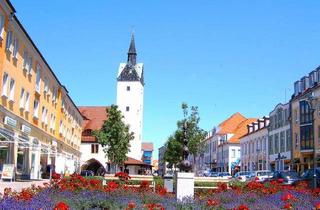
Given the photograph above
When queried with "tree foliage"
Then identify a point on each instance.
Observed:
(195, 136)
(114, 137)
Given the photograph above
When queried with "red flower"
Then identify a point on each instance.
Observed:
(131, 205)
(113, 185)
(280, 181)
(154, 206)
(122, 176)
(287, 197)
(61, 206)
(243, 207)
(288, 206)
(211, 202)
(317, 206)
(55, 175)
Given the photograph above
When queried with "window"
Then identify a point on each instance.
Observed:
(29, 65)
(46, 117)
(1, 26)
(51, 121)
(15, 47)
(43, 114)
(38, 79)
(282, 141)
(128, 88)
(276, 143)
(27, 62)
(5, 84)
(270, 145)
(22, 98)
(306, 136)
(127, 108)
(94, 148)
(288, 137)
(27, 102)
(296, 140)
(36, 109)
(11, 88)
(305, 113)
(54, 94)
(46, 85)
(9, 41)
(54, 123)
(233, 153)
(60, 127)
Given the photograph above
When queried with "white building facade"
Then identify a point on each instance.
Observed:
(280, 142)
(254, 147)
(130, 88)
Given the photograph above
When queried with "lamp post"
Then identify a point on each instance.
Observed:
(257, 168)
(310, 100)
(222, 142)
(279, 159)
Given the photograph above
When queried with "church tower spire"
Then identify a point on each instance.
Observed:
(132, 53)
(130, 89)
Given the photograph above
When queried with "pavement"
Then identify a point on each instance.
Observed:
(18, 185)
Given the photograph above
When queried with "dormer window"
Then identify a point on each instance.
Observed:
(128, 88)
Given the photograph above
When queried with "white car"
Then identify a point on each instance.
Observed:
(244, 176)
(224, 175)
(261, 176)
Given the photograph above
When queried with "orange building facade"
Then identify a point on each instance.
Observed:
(40, 126)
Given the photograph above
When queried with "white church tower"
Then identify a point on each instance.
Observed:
(130, 84)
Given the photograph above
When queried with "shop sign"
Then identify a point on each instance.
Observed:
(8, 171)
(10, 121)
(25, 129)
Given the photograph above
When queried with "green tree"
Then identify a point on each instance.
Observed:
(172, 154)
(195, 136)
(114, 137)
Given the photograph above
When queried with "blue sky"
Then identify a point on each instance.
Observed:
(223, 56)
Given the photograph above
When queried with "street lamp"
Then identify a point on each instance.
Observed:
(279, 158)
(257, 150)
(222, 142)
(310, 100)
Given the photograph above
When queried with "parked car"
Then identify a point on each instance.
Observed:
(288, 177)
(224, 175)
(244, 176)
(262, 176)
(86, 173)
(308, 176)
(214, 174)
(206, 172)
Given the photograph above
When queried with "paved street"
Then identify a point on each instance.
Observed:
(19, 184)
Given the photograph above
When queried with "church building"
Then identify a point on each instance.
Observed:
(130, 85)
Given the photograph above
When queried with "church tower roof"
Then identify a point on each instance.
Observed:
(131, 71)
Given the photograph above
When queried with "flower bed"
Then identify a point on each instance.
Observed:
(77, 192)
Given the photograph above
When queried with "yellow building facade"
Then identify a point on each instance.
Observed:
(305, 121)
(40, 126)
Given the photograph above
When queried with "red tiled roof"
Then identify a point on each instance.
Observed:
(147, 146)
(132, 161)
(230, 124)
(93, 119)
(94, 116)
(241, 130)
